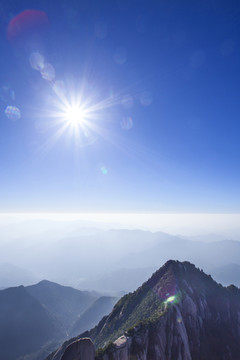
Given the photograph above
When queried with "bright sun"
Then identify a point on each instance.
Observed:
(74, 115)
(79, 117)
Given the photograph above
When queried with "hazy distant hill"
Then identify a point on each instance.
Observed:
(93, 314)
(179, 313)
(227, 274)
(119, 280)
(12, 275)
(64, 302)
(211, 256)
(111, 252)
(204, 254)
(25, 325)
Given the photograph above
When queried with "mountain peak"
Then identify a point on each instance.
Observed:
(45, 282)
(180, 312)
(168, 286)
(172, 277)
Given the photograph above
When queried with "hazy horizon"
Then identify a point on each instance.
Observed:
(175, 224)
(89, 251)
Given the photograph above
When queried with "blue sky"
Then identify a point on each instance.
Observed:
(166, 136)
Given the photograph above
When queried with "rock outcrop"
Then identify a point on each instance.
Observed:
(82, 349)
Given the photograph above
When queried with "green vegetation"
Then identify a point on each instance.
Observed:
(128, 314)
(141, 307)
(101, 351)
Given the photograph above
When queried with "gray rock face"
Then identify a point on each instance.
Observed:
(154, 342)
(82, 349)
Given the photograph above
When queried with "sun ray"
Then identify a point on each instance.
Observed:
(49, 144)
(80, 113)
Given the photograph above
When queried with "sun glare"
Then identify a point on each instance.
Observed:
(79, 114)
(74, 115)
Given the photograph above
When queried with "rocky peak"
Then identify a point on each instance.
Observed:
(82, 349)
(196, 319)
(179, 313)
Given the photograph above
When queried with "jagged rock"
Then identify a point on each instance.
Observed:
(82, 349)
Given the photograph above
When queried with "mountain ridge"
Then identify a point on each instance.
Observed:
(39, 317)
(180, 312)
(64, 302)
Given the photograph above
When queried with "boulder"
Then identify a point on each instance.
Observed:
(82, 349)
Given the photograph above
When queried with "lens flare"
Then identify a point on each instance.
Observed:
(13, 113)
(170, 299)
(127, 123)
(48, 72)
(37, 61)
(104, 170)
(26, 24)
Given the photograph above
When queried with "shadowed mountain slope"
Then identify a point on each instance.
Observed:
(93, 314)
(24, 324)
(64, 302)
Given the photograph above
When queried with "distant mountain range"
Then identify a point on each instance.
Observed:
(36, 319)
(179, 313)
(227, 274)
(93, 260)
(122, 280)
